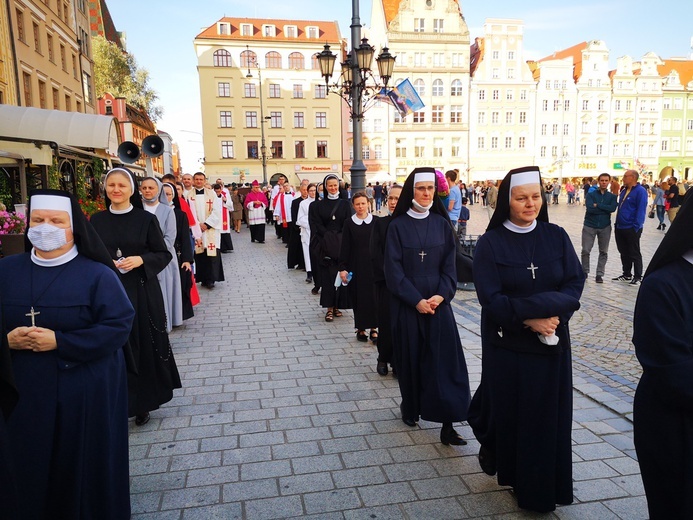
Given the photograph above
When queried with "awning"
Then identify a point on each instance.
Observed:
(64, 128)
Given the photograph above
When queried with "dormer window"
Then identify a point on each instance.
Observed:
(290, 31)
(223, 28)
(312, 32)
(268, 30)
(246, 29)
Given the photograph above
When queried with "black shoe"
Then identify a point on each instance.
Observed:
(382, 368)
(623, 278)
(635, 282)
(449, 436)
(664, 226)
(408, 422)
(361, 335)
(315, 291)
(309, 279)
(141, 420)
(599, 279)
(659, 227)
(487, 461)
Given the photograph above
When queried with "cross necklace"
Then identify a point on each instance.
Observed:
(532, 267)
(423, 253)
(33, 313)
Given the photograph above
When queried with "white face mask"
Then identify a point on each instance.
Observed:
(46, 237)
(420, 208)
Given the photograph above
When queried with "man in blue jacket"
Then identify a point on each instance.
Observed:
(630, 219)
(600, 203)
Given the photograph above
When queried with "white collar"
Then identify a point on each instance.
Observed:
(418, 216)
(54, 262)
(519, 229)
(151, 208)
(359, 221)
(333, 197)
(120, 211)
(688, 256)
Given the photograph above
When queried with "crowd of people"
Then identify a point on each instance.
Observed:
(86, 315)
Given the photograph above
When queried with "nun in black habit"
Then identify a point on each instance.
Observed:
(420, 273)
(183, 248)
(529, 281)
(136, 245)
(663, 406)
(65, 318)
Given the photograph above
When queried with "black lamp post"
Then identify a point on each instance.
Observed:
(355, 88)
(263, 148)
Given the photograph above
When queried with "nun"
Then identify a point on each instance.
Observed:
(65, 319)
(663, 406)
(137, 248)
(156, 202)
(419, 267)
(529, 281)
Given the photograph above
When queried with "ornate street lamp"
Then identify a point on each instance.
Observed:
(263, 148)
(358, 86)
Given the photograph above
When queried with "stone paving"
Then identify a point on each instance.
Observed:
(282, 415)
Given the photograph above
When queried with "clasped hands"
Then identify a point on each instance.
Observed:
(37, 339)
(429, 306)
(129, 263)
(543, 326)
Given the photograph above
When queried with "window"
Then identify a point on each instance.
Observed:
(583, 150)
(420, 87)
(495, 73)
(312, 32)
(509, 95)
(397, 117)
(320, 91)
(678, 103)
(548, 84)
(626, 149)
(545, 105)
(511, 55)
(496, 95)
(617, 105)
(419, 117)
(481, 118)
(248, 59)
(68, 103)
(419, 59)
(225, 119)
(275, 119)
(629, 105)
(600, 127)
(378, 125)
(456, 113)
(554, 129)
(482, 95)
(26, 83)
(494, 143)
(221, 58)
(400, 148)
(297, 61)
(511, 73)
(86, 85)
(227, 149)
(299, 121)
(365, 152)
(584, 127)
(419, 147)
(585, 104)
(615, 149)
(665, 145)
(556, 105)
(438, 147)
(275, 90)
(322, 150)
(457, 59)
(542, 151)
(437, 114)
(252, 149)
(378, 148)
(600, 105)
(600, 149)
(566, 129)
(315, 63)
(521, 142)
(268, 30)
(438, 59)
(494, 118)
(37, 37)
(42, 94)
(246, 30)
(456, 88)
(523, 95)
(495, 55)
(49, 41)
(543, 129)
(554, 151)
(627, 128)
(251, 119)
(277, 148)
(298, 91)
(63, 62)
(419, 24)
(290, 31)
(523, 117)
(456, 147)
(438, 25)
(508, 143)
(224, 90)
(617, 128)
(508, 118)
(223, 28)
(438, 89)
(21, 35)
(74, 66)
(250, 90)
(56, 99)
(273, 60)
(689, 124)
(300, 149)
(321, 120)
(480, 143)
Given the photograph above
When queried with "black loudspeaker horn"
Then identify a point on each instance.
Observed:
(153, 146)
(128, 152)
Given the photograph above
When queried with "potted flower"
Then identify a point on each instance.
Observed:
(91, 206)
(12, 228)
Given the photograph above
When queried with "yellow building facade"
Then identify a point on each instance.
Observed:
(8, 84)
(261, 76)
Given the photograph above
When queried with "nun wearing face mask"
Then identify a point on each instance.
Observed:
(65, 319)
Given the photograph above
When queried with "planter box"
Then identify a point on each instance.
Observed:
(11, 244)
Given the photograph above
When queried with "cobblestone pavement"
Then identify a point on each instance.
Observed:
(282, 415)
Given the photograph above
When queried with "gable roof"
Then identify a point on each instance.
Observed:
(574, 52)
(683, 67)
(327, 31)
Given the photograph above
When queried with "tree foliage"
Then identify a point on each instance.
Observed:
(117, 72)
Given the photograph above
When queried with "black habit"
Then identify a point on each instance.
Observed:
(522, 410)
(153, 374)
(382, 295)
(354, 258)
(184, 250)
(294, 255)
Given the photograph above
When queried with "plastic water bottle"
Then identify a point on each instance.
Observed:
(349, 277)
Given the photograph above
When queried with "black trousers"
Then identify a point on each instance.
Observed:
(628, 244)
(257, 232)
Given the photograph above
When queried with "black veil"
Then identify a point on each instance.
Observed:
(679, 238)
(502, 211)
(407, 195)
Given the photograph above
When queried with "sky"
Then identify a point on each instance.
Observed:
(160, 35)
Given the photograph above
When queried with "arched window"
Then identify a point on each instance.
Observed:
(438, 89)
(420, 87)
(273, 60)
(248, 59)
(316, 62)
(456, 88)
(222, 58)
(296, 61)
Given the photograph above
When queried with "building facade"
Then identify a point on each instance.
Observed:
(676, 146)
(261, 77)
(8, 82)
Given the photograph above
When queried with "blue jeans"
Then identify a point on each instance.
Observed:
(660, 214)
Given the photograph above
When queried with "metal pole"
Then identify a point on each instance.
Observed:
(358, 168)
(561, 154)
(263, 148)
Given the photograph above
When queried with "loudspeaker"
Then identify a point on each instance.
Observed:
(153, 146)
(128, 152)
